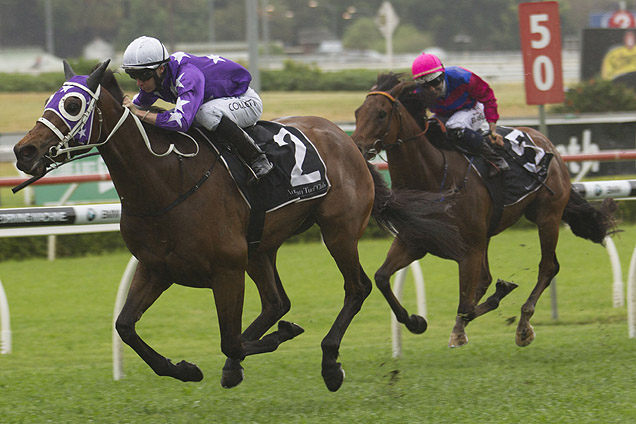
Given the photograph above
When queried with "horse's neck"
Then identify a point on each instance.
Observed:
(415, 163)
(139, 178)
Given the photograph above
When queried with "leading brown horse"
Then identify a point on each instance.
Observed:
(383, 122)
(186, 222)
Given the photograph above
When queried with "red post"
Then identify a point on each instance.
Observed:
(540, 31)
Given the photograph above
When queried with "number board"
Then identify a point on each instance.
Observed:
(540, 31)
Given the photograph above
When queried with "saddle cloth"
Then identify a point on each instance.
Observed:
(528, 168)
(299, 172)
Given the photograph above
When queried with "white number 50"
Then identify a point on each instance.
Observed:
(542, 68)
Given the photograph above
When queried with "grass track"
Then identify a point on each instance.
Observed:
(580, 369)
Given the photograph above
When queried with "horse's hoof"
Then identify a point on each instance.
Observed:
(525, 337)
(232, 377)
(504, 288)
(416, 324)
(186, 371)
(289, 330)
(333, 376)
(457, 340)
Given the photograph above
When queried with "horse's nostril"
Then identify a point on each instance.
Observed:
(27, 152)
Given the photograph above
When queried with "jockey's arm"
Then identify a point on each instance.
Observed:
(143, 115)
(483, 93)
(494, 137)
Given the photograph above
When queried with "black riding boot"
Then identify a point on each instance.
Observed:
(498, 163)
(247, 148)
(479, 144)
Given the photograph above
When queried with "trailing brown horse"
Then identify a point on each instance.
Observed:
(383, 122)
(186, 222)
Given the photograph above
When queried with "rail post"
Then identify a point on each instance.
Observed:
(124, 284)
(5, 324)
(631, 297)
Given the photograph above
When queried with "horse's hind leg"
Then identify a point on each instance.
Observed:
(397, 258)
(548, 269)
(343, 248)
(144, 290)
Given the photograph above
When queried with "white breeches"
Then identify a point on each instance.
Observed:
(468, 118)
(244, 110)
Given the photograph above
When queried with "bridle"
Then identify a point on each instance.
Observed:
(380, 144)
(64, 146)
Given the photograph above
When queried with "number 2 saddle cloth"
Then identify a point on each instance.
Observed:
(299, 172)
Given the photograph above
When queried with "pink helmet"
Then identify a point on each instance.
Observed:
(427, 67)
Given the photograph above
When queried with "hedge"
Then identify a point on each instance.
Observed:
(293, 77)
(76, 245)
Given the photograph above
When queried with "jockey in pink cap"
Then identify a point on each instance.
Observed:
(464, 102)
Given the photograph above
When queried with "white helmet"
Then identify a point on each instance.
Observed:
(145, 53)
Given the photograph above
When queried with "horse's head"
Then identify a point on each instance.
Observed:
(65, 126)
(379, 118)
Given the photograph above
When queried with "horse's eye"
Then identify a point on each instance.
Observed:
(382, 114)
(72, 106)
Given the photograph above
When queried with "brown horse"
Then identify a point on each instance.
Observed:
(383, 122)
(197, 237)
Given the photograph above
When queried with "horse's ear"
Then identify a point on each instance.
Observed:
(95, 78)
(68, 70)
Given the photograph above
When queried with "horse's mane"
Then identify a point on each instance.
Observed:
(110, 83)
(386, 81)
(414, 102)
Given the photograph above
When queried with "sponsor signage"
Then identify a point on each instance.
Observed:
(610, 53)
(102, 191)
(60, 215)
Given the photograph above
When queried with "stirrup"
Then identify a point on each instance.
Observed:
(261, 166)
(498, 167)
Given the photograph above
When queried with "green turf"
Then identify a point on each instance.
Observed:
(580, 369)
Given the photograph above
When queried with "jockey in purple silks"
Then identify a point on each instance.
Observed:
(465, 103)
(209, 91)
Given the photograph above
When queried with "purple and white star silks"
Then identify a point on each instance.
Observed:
(191, 81)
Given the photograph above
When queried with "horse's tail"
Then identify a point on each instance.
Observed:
(419, 219)
(587, 221)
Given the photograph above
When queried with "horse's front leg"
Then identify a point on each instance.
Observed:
(145, 288)
(502, 289)
(274, 305)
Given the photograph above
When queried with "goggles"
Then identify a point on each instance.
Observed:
(432, 83)
(141, 74)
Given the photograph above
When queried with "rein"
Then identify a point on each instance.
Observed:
(380, 142)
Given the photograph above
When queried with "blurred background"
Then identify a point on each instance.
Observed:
(334, 34)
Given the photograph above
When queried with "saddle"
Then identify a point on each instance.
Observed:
(299, 172)
(529, 166)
